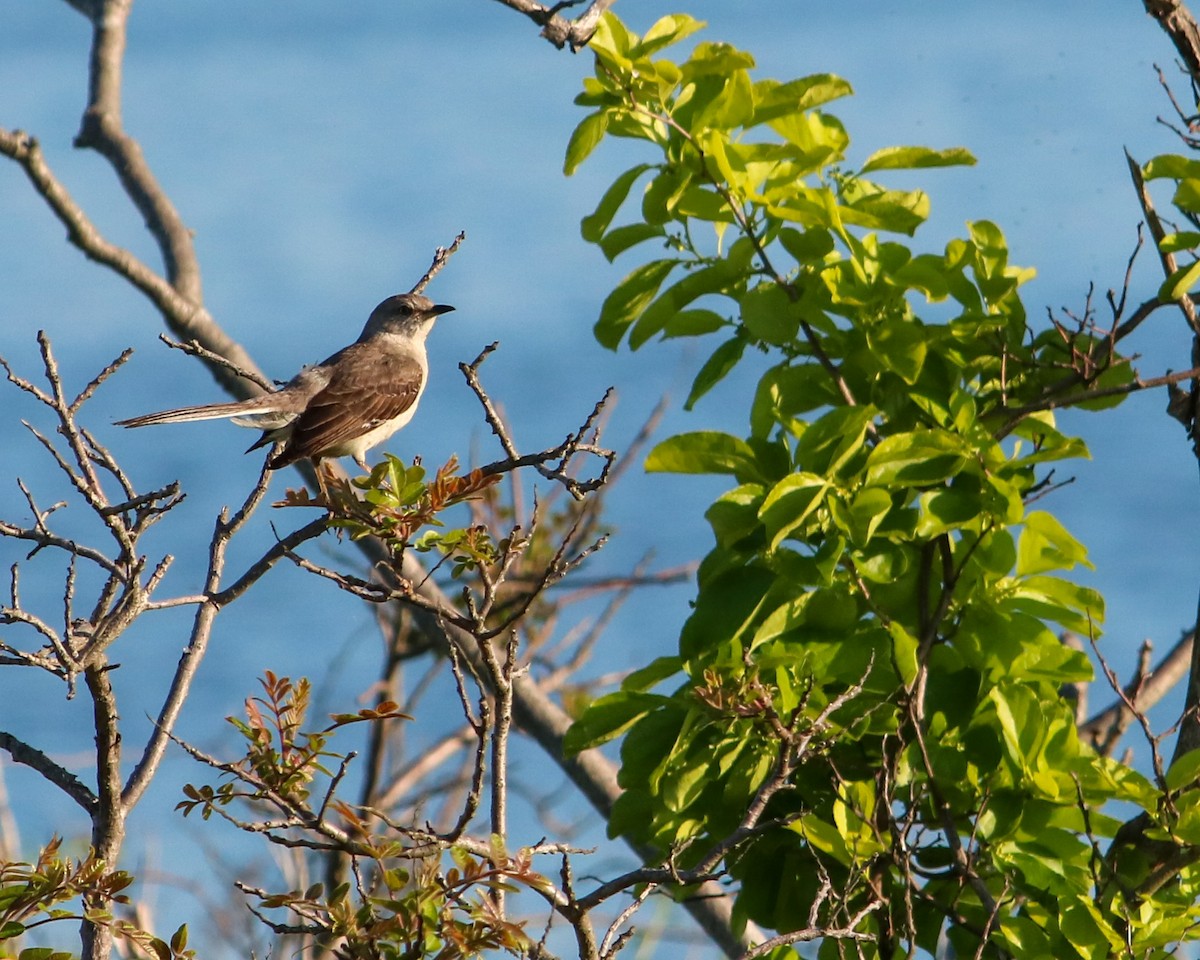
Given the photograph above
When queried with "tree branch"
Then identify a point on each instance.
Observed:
(1179, 24)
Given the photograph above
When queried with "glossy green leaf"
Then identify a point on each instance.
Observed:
(611, 37)
(786, 391)
(1045, 545)
(808, 246)
(731, 107)
(666, 31)
(919, 458)
(716, 60)
(1180, 282)
(817, 134)
(1185, 771)
(1183, 240)
(1172, 166)
(790, 503)
(584, 140)
(1052, 598)
(914, 158)
(715, 369)
(894, 210)
(629, 299)
(833, 439)
(620, 239)
(683, 784)
(734, 515)
(702, 452)
(663, 192)
(949, 508)
(769, 315)
(713, 278)
(659, 669)
(1187, 195)
(775, 100)
(594, 225)
(726, 614)
(901, 346)
(904, 652)
(694, 323)
(607, 718)
(867, 510)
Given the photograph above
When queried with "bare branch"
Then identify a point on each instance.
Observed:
(1104, 729)
(440, 257)
(66, 781)
(1179, 24)
(583, 440)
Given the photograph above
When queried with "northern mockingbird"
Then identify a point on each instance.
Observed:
(341, 406)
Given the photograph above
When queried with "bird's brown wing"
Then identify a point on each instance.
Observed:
(368, 387)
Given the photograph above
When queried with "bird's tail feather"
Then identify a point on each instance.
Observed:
(205, 411)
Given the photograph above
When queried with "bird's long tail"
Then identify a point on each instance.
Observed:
(252, 414)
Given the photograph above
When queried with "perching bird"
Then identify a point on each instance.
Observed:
(342, 406)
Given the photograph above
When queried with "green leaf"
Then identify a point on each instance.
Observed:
(620, 239)
(1045, 545)
(809, 246)
(611, 37)
(833, 439)
(1187, 195)
(629, 299)
(732, 108)
(694, 323)
(786, 391)
(914, 158)
(715, 60)
(714, 278)
(666, 31)
(682, 785)
(584, 140)
(900, 345)
(775, 99)
(594, 225)
(769, 315)
(652, 674)
(1089, 930)
(824, 837)
(703, 452)
(916, 459)
(663, 193)
(821, 137)
(867, 510)
(1179, 282)
(1171, 166)
(1185, 771)
(1052, 598)
(1184, 240)
(790, 503)
(733, 516)
(715, 369)
(10, 929)
(607, 718)
(949, 508)
(725, 612)
(898, 211)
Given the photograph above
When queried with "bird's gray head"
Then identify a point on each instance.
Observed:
(406, 314)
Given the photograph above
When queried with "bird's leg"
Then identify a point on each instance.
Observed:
(319, 468)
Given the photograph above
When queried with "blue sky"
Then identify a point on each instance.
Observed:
(320, 151)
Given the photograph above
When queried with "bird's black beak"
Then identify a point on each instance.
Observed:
(440, 308)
